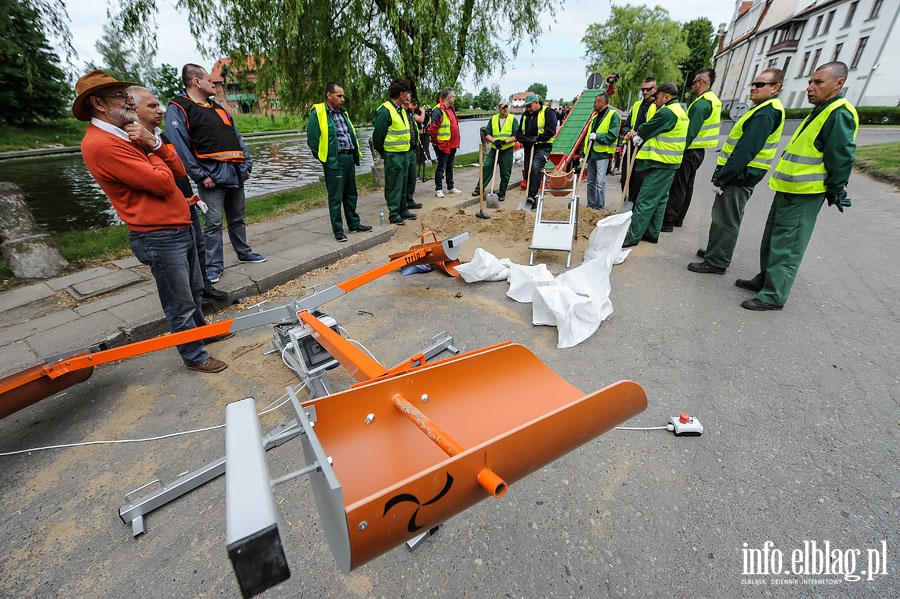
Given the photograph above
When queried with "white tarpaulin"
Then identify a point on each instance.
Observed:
(575, 302)
(484, 267)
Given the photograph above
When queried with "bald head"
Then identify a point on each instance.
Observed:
(826, 82)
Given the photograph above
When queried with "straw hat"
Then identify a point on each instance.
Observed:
(88, 85)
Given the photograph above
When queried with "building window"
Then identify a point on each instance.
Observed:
(815, 62)
(791, 99)
(818, 25)
(850, 13)
(802, 70)
(876, 8)
(859, 52)
(837, 52)
(773, 64)
(828, 22)
(787, 63)
(762, 46)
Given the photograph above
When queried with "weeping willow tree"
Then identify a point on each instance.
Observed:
(299, 45)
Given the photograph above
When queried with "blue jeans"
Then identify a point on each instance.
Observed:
(596, 183)
(171, 255)
(231, 201)
(444, 163)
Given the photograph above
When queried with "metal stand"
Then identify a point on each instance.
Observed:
(556, 235)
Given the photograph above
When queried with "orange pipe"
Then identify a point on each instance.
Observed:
(487, 478)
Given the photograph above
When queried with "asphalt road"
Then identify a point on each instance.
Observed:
(800, 409)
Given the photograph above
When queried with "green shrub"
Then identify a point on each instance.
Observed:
(868, 115)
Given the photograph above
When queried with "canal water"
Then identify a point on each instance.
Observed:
(63, 196)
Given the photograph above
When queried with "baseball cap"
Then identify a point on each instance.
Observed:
(667, 88)
(503, 104)
(532, 97)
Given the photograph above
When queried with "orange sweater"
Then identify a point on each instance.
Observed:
(140, 186)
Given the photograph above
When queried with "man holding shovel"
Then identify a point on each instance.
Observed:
(536, 132)
(599, 145)
(663, 137)
(500, 133)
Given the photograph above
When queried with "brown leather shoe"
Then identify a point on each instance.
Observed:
(210, 365)
(221, 337)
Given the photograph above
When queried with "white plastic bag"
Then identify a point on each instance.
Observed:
(484, 266)
(574, 315)
(607, 237)
(524, 279)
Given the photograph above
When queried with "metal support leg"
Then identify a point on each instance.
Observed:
(133, 512)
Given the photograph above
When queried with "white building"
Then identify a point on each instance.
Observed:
(799, 35)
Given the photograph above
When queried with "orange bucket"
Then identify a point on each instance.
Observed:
(559, 183)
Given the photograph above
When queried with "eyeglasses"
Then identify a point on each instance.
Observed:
(761, 84)
(646, 89)
(119, 95)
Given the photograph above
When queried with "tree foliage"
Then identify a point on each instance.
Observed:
(487, 99)
(363, 44)
(33, 86)
(636, 42)
(700, 38)
(166, 82)
(540, 89)
(118, 58)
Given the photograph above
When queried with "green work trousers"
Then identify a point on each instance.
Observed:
(650, 205)
(505, 162)
(341, 185)
(789, 228)
(396, 180)
(409, 183)
(727, 214)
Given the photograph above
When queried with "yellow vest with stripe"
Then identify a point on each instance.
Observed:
(637, 106)
(708, 136)
(443, 133)
(603, 127)
(397, 138)
(668, 147)
(505, 132)
(541, 123)
(322, 116)
(802, 167)
(764, 158)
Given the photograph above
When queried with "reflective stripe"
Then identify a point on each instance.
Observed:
(801, 169)
(444, 128)
(799, 178)
(798, 159)
(397, 138)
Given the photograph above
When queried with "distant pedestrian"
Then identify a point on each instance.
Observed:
(599, 145)
(391, 139)
(444, 133)
(332, 138)
(746, 157)
(137, 172)
(214, 154)
(814, 168)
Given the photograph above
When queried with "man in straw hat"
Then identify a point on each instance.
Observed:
(663, 137)
(137, 172)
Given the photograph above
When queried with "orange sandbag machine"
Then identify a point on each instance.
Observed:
(391, 457)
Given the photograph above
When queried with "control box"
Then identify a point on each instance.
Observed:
(685, 425)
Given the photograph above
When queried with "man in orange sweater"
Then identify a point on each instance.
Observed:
(137, 172)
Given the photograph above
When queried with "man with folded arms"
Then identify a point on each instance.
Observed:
(746, 156)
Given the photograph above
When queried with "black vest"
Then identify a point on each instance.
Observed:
(211, 129)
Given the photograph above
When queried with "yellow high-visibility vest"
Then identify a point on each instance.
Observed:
(603, 127)
(668, 147)
(320, 109)
(505, 132)
(802, 166)
(708, 136)
(397, 138)
(443, 133)
(634, 111)
(766, 156)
